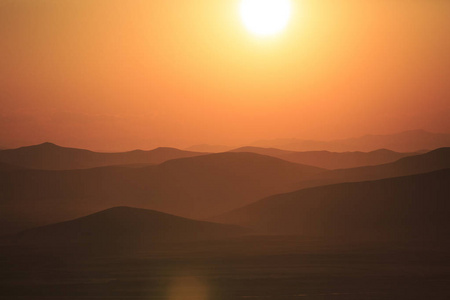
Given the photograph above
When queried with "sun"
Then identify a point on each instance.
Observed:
(265, 17)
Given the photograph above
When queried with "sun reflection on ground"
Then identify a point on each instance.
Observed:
(188, 287)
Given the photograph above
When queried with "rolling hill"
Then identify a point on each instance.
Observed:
(330, 160)
(408, 141)
(195, 187)
(48, 156)
(431, 161)
(125, 227)
(402, 208)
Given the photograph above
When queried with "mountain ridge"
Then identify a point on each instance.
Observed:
(195, 187)
(328, 159)
(416, 164)
(407, 141)
(125, 227)
(410, 207)
(49, 156)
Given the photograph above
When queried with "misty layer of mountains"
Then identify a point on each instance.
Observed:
(408, 141)
(126, 227)
(48, 156)
(402, 208)
(51, 195)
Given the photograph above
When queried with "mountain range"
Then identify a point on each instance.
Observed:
(48, 156)
(412, 207)
(434, 160)
(195, 187)
(408, 141)
(330, 160)
(124, 228)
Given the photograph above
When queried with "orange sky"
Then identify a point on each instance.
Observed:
(118, 75)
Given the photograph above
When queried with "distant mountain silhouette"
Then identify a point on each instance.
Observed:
(431, 161)
(209, 148)
(263, 151)
(125, 227)
(48, 156)
(401, 208)
(195, 187)
(330, 160)
(408, 141)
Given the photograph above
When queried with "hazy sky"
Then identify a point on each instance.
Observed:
(124, 74)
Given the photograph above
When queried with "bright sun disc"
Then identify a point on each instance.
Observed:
(265, 17)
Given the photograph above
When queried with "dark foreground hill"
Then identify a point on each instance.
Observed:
(196, 187)
(125, 227)
(402, 208)
(48, 156)
(331, 160)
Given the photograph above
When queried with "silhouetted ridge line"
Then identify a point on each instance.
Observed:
(195, 187)
(330, 160)
(125, 227)
(408, 141)
(403, 208)
(48, 156)
(431, 161)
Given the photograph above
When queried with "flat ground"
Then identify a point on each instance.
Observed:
(245, 268)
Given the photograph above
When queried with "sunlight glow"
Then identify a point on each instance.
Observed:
(265, 17)
(188, 287)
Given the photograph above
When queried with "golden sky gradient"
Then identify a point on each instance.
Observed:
(125, 74)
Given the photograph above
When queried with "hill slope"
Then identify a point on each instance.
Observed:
(410, 207)
(195, 187)
(125, 227)
(408, 141)
(431, 161)
(331, 160)
(49, 156)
